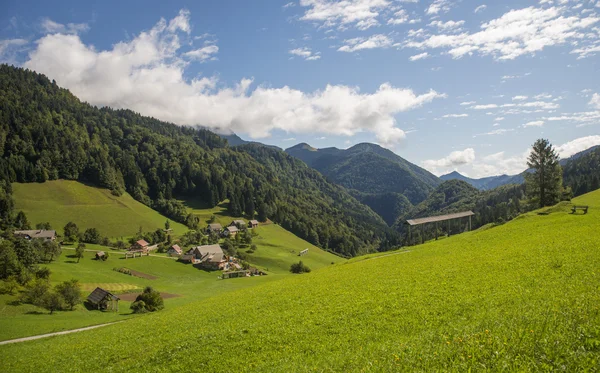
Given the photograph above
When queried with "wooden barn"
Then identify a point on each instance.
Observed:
(104, 300)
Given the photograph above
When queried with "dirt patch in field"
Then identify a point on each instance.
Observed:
(142, 275)
(130, 297)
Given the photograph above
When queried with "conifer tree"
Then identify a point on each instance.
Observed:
(544, 185)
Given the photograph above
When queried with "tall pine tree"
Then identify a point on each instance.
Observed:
(544, 185)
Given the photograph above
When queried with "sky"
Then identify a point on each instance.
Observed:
(464, 85)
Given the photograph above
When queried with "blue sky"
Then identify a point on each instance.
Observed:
(447, 84)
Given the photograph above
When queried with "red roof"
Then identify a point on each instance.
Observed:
(142, 243)
(176, 248)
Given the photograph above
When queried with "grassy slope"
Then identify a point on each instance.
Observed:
(522, 296)
(64, 200)
(61, 201)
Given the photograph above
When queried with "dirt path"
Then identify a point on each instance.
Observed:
(56, 333)
(122, 253)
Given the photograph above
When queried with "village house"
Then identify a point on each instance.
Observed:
(214, 228)
(240, 224)
(48, 235)
(232, 230)
(174, 250)
(104, 300)
(208, 256)
(140, 246)
(253, 224)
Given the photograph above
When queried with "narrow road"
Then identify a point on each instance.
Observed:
(120, 253)
(56, 333)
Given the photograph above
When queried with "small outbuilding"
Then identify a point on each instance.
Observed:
(253, 224)
(232, 230)
(100, 255)
(174, 250)
(214, 228)
(240, 224)
(104, 300)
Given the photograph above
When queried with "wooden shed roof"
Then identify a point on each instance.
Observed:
(433, 219)
(99, 294)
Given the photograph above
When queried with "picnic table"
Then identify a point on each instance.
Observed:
(575, 208)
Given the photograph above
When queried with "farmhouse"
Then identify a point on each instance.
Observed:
(231, 231)
(253, 224)
(240, 224)
(174, 250)
(104, 300)
(214, 227)
(48, 235)
(208, 256)
(140, 245)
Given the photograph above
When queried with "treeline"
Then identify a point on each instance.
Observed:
(493, 206)
(583, 173)
(46, 133)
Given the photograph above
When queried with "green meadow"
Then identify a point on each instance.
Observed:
(523, 296)
(61, 201)
(276, 250)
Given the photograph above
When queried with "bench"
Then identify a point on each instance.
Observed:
(575, 208)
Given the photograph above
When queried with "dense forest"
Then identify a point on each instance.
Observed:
(376, 176)
(46, 133)
(582, 173)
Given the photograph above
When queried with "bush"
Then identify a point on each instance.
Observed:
(150, 300)
(43, 273)
(299, 268)
(91, 235)
(9, 286)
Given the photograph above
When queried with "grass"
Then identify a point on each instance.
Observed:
(61, 201)
(518, 297)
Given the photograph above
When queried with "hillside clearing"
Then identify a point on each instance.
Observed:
(521, 296)
(61, 201)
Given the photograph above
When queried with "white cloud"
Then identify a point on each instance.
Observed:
(447, 26)
(537, 123)
(467, 103)
(289, 139)
(147, 75)
(438, 6)
(372, 42)
(499, 164)
(289, 5)
(181, 22)
(203, 54)
(306, 53)
(519, 98)
(400, 17)
(9, 48)
(583, 118)
(51, 27)
(499, 119)
(362, 14)
(455, 116)
(480, 8)
(484, 107)
(516, 33)
(419, 56)
(454, 159)
(575, 146)
(595, 101)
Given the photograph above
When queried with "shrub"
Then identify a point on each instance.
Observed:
(43, 273)
(9, 286)
(299, 268)
(151, 300)
(138, 306)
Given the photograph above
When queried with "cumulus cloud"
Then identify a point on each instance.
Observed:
(516, 33)
(420, 56)
(203, 54)
(595, 101)
(575, 146)
(305, 53)
(51, 27)
(147, 74)
(362, 14)
(447, 26)
(372, 42)
(399, 18)
(438, 6)
(454, 159)
(519, 98)
(500, 164)
(536, 123)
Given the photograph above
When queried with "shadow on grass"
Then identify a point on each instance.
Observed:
(71, 261)
(36, 313)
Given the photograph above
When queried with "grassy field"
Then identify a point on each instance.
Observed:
(518, 297)
(61, 201)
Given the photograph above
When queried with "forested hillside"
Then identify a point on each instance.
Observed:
(582, 173)
(497, 205)
(373, 175)
(46, 133)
